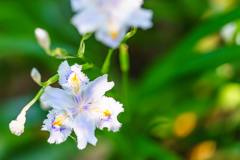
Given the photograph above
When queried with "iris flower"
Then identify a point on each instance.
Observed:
(110, 19)
(80, 107)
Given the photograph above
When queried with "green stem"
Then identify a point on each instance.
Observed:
(107, 62)
(130, 34)
(81, 49)
(124, 65)
(40, 92)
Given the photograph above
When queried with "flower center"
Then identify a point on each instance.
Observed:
(60, 119)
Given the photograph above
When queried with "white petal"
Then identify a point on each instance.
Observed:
(87, 21)
(71, 78)
(105, 113)
(64, 70)
(77, 69)
(107, 39)
(57, 98)
(84, 128)
(141, 18)
(96, 89)
(44, 105)
(77, 5)
(58, 133)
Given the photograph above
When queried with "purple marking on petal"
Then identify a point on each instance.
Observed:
(86, 107)
(74, 111)
(106, 120)
(78, 100)
(68, 75)
(62, 128)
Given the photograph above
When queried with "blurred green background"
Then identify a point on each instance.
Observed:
(184, 91)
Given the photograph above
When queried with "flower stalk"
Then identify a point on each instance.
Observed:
(17, 126)
(107, 62)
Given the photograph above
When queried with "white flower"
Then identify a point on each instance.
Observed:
(17, 126)
(83, 105)
(43, 38)
(109, 18)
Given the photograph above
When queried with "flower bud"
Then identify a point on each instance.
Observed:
(17, 126)
(43, 38)
(36, 76)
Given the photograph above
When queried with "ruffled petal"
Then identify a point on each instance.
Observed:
(140, 18)
(57, 98)
(71, 78)
(59, 126)
(105, 113)
(64, 71)
(87, 21)
(77, 69)
(96, 89)
(84, 128)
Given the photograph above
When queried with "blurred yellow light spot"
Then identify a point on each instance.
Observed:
(60, 119)
(184, 124)
(203, 151)
(76, 83)
(107, 113)
(208, 43)
(225, 71)
(229, 96)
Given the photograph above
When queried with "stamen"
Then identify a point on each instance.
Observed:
(60, 119)
(107, 113)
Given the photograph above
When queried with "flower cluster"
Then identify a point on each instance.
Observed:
(80, 107)
(110, 19)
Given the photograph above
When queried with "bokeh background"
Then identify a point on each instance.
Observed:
(184, 91)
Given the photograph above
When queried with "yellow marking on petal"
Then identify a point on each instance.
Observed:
(102, 113)
(107, 113)
(75, 83)
(60, 119)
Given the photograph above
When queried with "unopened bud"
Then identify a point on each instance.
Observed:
(36, 76)
(43, 38)
(17, 126)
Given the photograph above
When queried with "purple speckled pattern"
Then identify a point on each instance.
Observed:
(106, 120)
(68, 75)
(56, 129)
